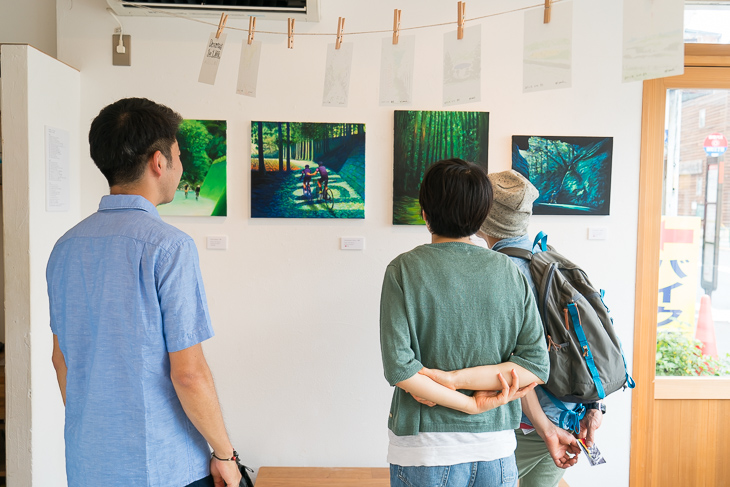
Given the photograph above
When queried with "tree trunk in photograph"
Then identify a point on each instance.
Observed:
(262, 163)
(288, 147)
(281, 148)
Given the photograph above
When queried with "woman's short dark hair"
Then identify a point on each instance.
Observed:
(127, 133)
(456, 197)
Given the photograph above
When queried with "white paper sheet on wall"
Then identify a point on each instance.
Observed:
(653, 39)
(396, 71)
(57, 168)
(248, 68)
(337, 76)
(463, 67)
(211, 59)
(547, 53)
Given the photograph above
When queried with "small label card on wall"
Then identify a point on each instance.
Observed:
(463, 67)
(57, 167)
(212, 59)
(337, 76)
(653, 39)
(547, 57)
(396, 71)
(248, 69)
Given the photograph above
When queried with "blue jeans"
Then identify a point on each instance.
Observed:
(204, 482)
(497, 473)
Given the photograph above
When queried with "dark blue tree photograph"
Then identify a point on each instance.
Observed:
(572, 174)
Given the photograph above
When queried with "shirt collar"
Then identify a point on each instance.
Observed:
(523, 241)
(127, 202)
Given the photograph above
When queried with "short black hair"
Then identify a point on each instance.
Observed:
(456, 197)
(127, 133)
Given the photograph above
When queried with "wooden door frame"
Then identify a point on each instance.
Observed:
(651, 177)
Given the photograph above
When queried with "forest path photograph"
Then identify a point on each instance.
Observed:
(281, 154)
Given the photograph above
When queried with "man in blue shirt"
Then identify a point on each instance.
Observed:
(539, 460)
(128, 315)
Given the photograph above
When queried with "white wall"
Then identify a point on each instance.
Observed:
(296, 357)
(38, 91)
(29, 22)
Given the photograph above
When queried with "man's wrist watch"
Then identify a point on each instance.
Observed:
(596, 405)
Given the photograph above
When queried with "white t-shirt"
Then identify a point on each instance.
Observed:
(435, 449)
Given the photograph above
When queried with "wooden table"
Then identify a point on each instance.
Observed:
(319, 476)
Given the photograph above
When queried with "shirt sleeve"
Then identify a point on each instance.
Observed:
(185, 318)
(530, 351)
(399, 360)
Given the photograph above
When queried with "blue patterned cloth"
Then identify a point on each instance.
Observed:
(125, 289)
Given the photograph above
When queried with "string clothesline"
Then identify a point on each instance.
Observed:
(385, 31)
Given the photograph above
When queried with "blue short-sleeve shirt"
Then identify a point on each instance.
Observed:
(125, 289)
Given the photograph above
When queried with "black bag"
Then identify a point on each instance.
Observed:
(245, 478)
(586, 359)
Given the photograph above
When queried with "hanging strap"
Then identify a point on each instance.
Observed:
(587, 355)
(569, 418)
(629, 380)
(541, 238)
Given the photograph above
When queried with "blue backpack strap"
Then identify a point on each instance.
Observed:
(569, 418)
(540, 238)
(629, 380)
(580, 334)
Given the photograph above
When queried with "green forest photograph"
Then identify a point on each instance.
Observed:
(424, 137)
(307, 170)
(572, 174)
(202, 188)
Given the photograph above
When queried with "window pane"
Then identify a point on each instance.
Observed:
(693, 315)
(707, 24)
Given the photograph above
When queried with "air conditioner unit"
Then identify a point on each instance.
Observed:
(302, 10)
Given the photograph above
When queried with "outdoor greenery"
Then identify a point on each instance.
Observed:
(679, 355)
(201, 143)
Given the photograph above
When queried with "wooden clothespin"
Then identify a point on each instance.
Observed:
(221, 25)
(396, 26)
(461, 11)
(340, 28)
(546, 19)
(251, 28)
(291, 33)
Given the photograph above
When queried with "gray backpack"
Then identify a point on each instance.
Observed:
(586, 359)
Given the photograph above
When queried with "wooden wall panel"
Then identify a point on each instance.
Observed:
(692, 443)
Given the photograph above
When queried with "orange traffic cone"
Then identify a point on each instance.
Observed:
(706, 328)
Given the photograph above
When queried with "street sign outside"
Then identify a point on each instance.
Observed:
(715, 144)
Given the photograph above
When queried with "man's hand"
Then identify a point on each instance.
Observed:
(589, 424)
(563, 447)
(446, 379)
(225, 473)
(486, 400)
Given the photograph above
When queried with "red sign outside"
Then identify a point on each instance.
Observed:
(715, 144)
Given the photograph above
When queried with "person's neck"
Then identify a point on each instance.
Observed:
(136, 189)
(439, 239)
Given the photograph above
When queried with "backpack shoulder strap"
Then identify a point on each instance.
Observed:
(516, 252)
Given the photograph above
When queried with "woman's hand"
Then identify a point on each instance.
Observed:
(487, 400)
(446, 379)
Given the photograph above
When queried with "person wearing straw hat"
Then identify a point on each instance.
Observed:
(539, 456)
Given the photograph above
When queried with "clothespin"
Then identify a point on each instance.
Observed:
(461, 10)
(340, 28)
(546, 19)
(221, 25)
(291, 33)
(251, 28)
(396, 26)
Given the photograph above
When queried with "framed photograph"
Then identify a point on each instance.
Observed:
(572, 174)
(422, 138)
(202, 189)
(307, 170)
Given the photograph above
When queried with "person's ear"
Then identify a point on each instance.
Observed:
(156, 163)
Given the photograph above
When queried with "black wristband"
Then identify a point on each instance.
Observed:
(232, 459)
(596, 405)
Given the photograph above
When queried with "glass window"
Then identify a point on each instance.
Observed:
(693, 316)
(707, 23)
